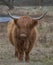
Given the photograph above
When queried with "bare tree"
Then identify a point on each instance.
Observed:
(9, 3)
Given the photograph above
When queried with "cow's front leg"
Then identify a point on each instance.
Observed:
(20, 56)
(27, 57)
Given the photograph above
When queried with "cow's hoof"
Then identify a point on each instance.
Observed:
(16, 54)
(20, 60)
(27, 60)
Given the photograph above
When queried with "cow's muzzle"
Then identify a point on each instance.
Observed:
(23, 36)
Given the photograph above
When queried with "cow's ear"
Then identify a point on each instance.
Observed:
(15, 21)
(34, 23)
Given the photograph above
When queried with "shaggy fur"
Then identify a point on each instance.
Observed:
(24, 24)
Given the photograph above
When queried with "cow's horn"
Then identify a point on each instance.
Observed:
(12, 16)
(38, 18)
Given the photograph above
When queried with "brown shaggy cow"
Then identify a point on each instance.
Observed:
(22, 35)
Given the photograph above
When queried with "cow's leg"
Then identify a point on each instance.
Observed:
(20, 56)
(16, 53)
(28, 51)
(27, 57)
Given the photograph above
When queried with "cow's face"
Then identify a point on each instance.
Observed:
(25, 25)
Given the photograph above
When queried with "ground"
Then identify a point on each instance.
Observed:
(42, 52)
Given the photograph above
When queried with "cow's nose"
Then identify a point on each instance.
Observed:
(23, 36)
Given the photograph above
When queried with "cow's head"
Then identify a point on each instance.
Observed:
(25, 24)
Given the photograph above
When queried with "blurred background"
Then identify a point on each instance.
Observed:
(42, 52)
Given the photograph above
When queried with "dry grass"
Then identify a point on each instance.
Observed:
(42, 53)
